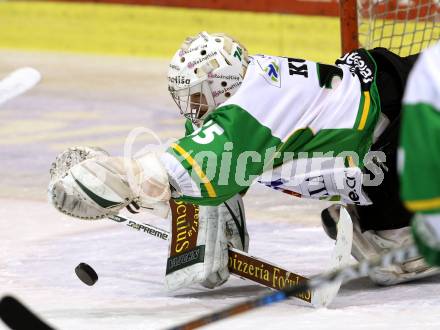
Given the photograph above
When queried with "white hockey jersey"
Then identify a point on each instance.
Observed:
(307, 125)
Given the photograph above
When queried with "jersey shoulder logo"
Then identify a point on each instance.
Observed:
(360, 63)
(270, 70)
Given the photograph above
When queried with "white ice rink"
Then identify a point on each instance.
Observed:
(86, 99)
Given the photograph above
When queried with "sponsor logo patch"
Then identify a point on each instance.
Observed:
(191, 49)
(223, 76)
(185, 259)
(360, 64)
(271, 71)
(180, 80)
(174, 67)
(226, 89)
(202, 59)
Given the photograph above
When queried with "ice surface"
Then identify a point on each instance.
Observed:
(40, 249)
(85, 99)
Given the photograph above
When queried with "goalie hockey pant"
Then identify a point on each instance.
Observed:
(387, 210)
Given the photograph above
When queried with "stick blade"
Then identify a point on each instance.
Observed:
(18, 82)
(341, 256)
(16, 316)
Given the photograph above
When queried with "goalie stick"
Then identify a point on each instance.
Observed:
(18, 82)
(275, 277)
(343, 275)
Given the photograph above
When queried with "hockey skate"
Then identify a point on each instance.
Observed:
(370, 244)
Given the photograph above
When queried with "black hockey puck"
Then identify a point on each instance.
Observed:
(86, 274)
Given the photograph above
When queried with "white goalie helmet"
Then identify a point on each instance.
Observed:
(205, 72)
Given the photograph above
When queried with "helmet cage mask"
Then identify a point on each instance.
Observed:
(205, 72)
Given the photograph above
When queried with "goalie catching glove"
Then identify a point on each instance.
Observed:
(87, 183)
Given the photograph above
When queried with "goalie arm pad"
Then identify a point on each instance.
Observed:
(198, 250)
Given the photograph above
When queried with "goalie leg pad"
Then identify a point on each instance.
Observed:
(232, 230)
(199, 247)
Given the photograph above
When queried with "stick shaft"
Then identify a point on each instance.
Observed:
(346, 274)
(146, 228)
